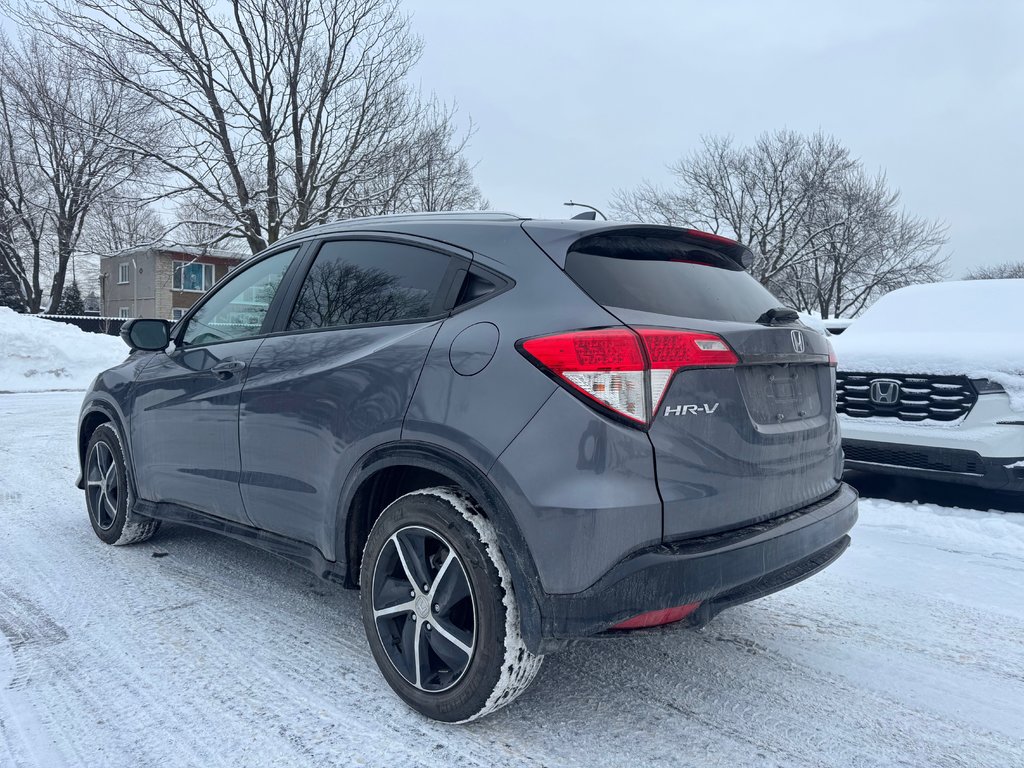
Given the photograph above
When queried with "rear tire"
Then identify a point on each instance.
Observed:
(438, 608)
(109, 491)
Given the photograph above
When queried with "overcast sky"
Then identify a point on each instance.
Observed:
(576, 99)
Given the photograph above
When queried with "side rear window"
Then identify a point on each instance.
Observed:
(666, 276)
(355, 282)
(479, 284)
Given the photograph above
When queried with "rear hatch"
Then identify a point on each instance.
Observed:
(736, 443)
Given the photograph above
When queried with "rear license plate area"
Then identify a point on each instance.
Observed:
(780, 394)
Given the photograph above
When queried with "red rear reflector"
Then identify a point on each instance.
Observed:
(658, 618)
(832, 359)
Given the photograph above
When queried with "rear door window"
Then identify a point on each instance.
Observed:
(667, 277)
(360, 282)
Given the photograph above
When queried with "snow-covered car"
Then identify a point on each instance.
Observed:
(930, 383)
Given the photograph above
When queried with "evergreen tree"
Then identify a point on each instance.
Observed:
(71, 302)
(92, 302)
(9, 294)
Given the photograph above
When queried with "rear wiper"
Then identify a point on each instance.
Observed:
(778, 315)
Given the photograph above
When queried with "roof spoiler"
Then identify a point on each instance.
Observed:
(557, 238)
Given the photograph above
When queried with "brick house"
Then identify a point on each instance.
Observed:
(160, 282)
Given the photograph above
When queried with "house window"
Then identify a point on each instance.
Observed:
(190, 276)
(124, 312)
(123, 273)
(177, 313)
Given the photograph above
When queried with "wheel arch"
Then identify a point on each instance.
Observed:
(93, 415)
(394, 469)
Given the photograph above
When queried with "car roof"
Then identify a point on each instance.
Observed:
(477, 230)
(407, 223)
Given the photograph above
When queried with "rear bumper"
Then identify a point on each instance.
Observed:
(717, 571)
(935, 463)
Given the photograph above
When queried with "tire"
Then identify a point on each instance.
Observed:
(109, 491)
(459, 630)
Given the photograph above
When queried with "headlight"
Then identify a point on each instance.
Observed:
(986, 386)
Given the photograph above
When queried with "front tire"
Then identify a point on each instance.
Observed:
(438, 608)
(108, 491)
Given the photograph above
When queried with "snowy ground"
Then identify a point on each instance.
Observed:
(907, 651)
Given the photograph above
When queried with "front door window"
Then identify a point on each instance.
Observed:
(237, 310)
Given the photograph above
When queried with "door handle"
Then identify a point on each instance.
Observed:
(228, 368)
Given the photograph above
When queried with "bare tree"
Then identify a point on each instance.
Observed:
(279, 114)
(441, 178)
(56, 161)
(426, 173)
(200, 222)
(24, 198)
(859, 246)
(826, 237)
(122, 221)
(1008, 269)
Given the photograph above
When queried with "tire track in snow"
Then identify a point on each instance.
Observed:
(221, 655)
(335, 644)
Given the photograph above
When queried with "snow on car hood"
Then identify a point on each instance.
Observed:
(973, 328)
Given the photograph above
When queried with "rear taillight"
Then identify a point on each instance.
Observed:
(832, 359)
(626, 371)
(669, 351)
(605, 365)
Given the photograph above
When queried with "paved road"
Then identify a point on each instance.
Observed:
(907, 651)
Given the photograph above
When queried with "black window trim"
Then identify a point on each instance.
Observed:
(501, 282)
(178, 329)
(460, 260)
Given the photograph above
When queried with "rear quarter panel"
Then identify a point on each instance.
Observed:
(477, 416)
(580, 486)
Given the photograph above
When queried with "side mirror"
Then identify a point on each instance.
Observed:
(146, 334)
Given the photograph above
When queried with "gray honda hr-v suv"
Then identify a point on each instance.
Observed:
(508, 433)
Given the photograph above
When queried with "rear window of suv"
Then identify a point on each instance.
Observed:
(666, 275)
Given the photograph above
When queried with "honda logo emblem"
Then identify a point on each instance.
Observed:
(798, 341)
(885, 392)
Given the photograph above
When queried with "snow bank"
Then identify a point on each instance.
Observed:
(38, 355)
(969, 327)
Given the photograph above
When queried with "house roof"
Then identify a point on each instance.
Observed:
(182, 250)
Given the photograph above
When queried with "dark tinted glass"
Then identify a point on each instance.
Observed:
(353, 282)
(475, 287)
(671, 280)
